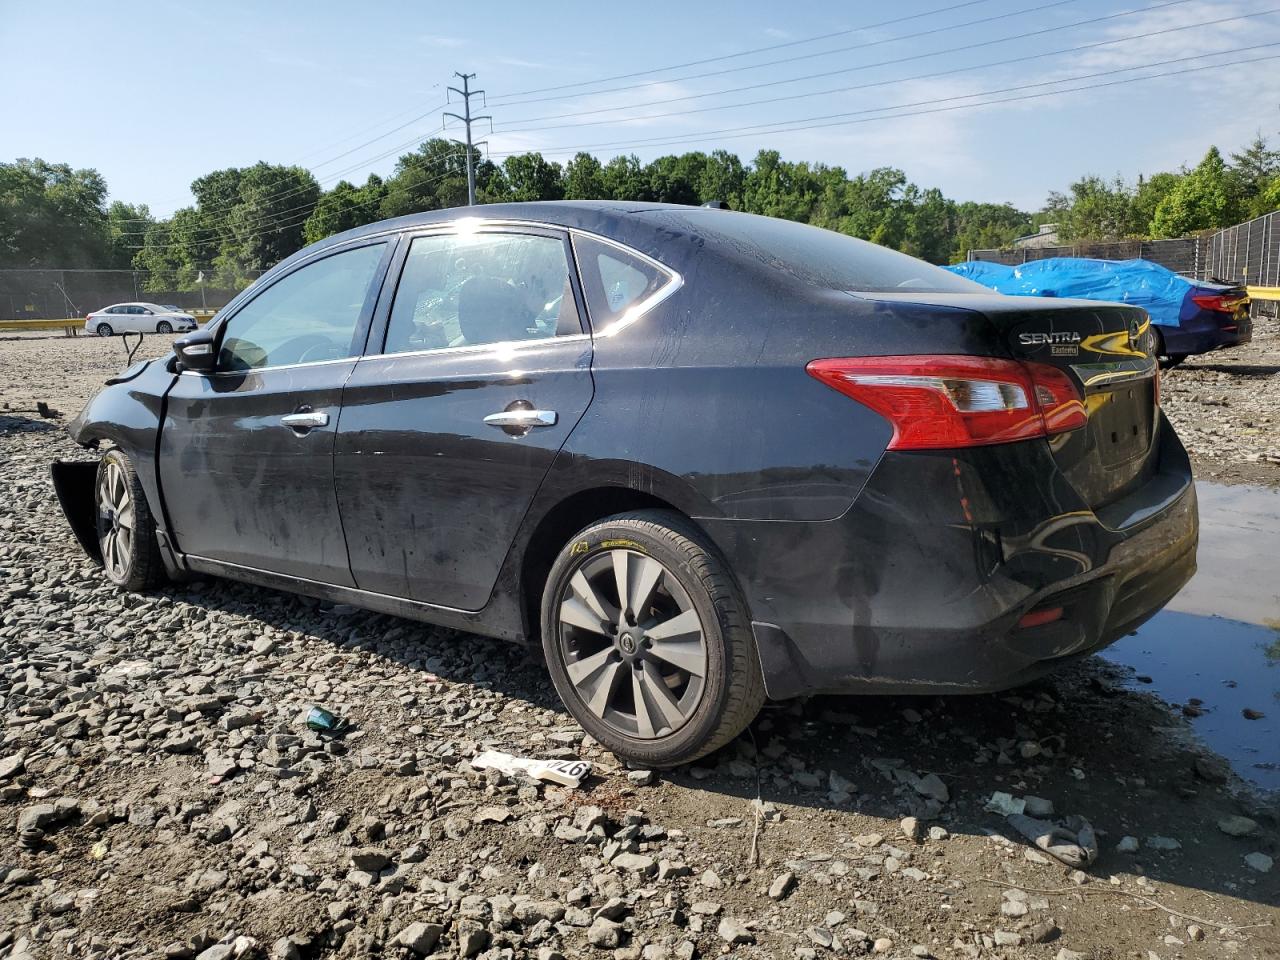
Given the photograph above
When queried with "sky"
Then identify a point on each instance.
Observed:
(155, 94)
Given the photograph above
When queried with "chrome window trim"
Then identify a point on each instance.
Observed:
(630, 316)
(249, 370)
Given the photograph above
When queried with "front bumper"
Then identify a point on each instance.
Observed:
(920, 586)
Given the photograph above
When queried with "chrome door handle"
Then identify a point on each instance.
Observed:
(305, 421)
(522, 418)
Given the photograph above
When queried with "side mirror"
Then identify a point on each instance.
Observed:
(195, 351)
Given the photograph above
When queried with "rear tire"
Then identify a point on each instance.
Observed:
(104, 330)
(126, 529)
(1163, 357)
(164, 326)
(630, 676)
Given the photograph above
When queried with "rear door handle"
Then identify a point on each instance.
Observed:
(305, 421)
(523, 418)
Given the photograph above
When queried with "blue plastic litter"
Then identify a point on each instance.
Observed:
(1157, 289)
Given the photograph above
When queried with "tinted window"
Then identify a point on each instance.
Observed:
(308, 316)
(613, 279)
(463, 290)
(824, 258)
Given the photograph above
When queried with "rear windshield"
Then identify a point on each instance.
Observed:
(824, 258)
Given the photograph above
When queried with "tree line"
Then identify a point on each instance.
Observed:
(245, 219)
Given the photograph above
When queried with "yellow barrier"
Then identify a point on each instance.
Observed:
(72, 327)
(1264, 293)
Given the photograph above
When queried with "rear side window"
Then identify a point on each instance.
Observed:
(615, 280)
(469, 290)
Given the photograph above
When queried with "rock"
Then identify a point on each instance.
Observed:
(938, 833)
(532, 911)
(604, 933)
(1195, 933)
(734, 932)
(1237, 826)
(1211, 769)
(931, 786)
(1259, 861)
(711, 880)
(882, 945)
(706, 908)
(1163, 843)
(37, 816)
(492, 815)
(471, 937)
(1127, 845)
(11, 766)
(1065, 954)
(869, 840)
(642, 778)
(219, 951)
(1250, 714)
(782, 885)
(635, 863)
(1037, 806)
(912, 828)
(821, 936)
(371, 860)
(1014, 908)
(419, 937)
(1043, 932)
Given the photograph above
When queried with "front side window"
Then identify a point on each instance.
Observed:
(308, 316)
(614, 280)
(466, 290)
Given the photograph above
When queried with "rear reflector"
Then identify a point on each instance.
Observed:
(1038, 618)
(1221, 303)
(944, 402)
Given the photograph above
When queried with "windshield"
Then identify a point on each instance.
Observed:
(824, 258)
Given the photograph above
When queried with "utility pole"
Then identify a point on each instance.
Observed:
(467, 119)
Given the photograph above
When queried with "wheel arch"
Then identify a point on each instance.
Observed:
(562, 521)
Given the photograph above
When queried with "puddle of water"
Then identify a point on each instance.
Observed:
(1219, 640)
(1228, 665)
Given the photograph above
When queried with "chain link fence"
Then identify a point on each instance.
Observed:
(58, 294)
(1247, 253)
(1186, 255)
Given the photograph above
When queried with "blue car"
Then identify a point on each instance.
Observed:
(1187, 316)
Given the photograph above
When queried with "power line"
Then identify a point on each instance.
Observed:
(868, 66)
(880, 42)
(746, 53)
(752, 131)
(870, 85)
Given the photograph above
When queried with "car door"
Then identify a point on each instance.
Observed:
(480, 372)
(246, 452)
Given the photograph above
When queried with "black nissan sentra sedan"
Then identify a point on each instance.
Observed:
(707, 457)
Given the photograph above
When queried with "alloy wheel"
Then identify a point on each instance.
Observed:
(116, 520)
(632, 643)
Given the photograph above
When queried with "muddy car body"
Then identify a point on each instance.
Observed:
(823, 466)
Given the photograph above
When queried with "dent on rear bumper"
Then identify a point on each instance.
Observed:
(920, 585)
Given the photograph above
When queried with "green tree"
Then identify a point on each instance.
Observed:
(723, 177)
(624, 179)
(1150, 193)
(584, 178)
(1093, 209)
(987, 226)
(1206, 197)
(1254, 167)
(344, 208)
(774, 187)
(931, 227)
(127, 224)
(529, 176)
(266, 224)
(432, 177)
(51, 215)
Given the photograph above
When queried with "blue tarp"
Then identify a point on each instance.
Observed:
(1157, 289)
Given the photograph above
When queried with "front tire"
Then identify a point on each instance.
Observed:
(104, 330)
(648, 639)
(164, 326)
(126, 529)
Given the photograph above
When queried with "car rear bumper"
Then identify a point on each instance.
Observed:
(921, 585)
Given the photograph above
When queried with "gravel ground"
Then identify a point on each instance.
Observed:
(161, 796)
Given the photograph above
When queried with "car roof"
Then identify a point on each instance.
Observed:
(611, 218)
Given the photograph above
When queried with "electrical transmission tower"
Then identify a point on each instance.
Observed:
(467, 119)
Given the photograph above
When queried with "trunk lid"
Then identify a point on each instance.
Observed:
(1107, 350)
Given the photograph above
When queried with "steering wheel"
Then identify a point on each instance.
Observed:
(309, 347)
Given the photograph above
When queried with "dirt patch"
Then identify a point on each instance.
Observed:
(160, 794)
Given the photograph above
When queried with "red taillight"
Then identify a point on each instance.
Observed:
(943, 402)
(1220, 303)
(1038, 618)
